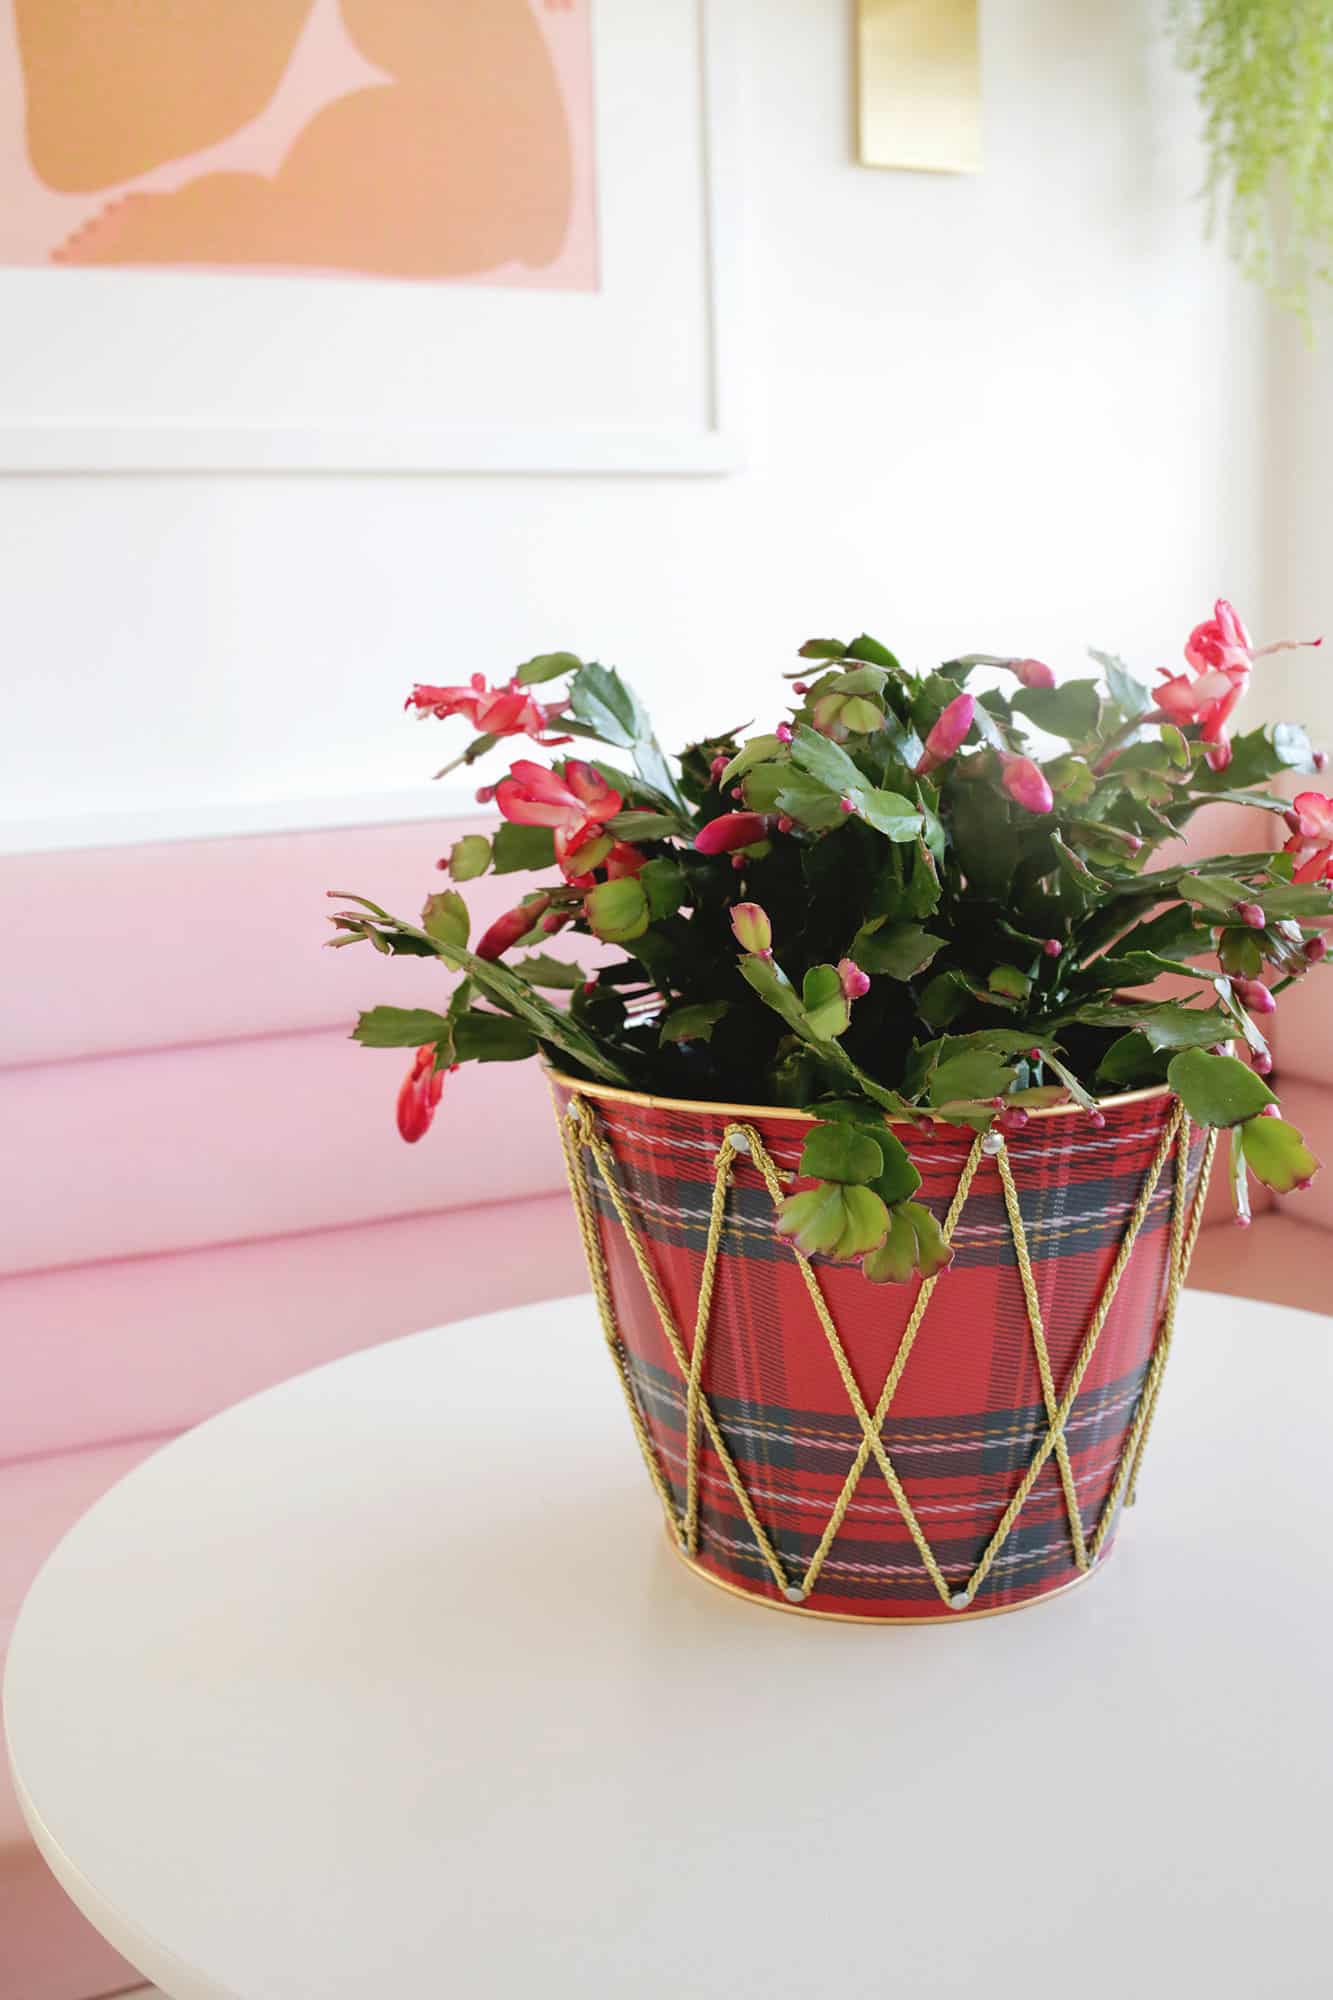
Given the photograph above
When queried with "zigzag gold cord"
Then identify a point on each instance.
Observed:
(871, 1427)
(1038, 1330)
(1085, 1354)
(579, 1134)
(596, 1145)
(592, 1250)
(1134, 1450)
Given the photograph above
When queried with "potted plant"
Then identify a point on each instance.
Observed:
(887, 1146)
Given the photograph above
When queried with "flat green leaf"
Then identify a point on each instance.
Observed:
(975, 1074)
(822, 649)
(840, 1152)
(1130, 695)
(863, 647)
(602, 701)
(943, 999)
(445, 918)
(543, 970)
(1276, 1153)
(664, 885)
(835, 1220)
(639, 826)
(809, 803)
(860, 680)
(1217, 1090)
(1130, 1060)
(915, 1243)
(547, 667)
(1010, 982)
(898, 951)
(1072, 710)
(888, 812)
(480, 1037)
(759, 750)
(1167, 1024)
(695, 1023)
(522, 849)
(469, 857)
(399, 1028)
(900, 1179)
(820, 985)
(618, 911)
(826, 762)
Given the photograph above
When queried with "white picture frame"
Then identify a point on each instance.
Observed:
(61, 330)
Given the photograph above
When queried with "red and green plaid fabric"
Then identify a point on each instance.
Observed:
(968, 1415)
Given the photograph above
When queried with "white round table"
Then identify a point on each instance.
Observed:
(386, 1686)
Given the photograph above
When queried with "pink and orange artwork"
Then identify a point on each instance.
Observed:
(447, 140)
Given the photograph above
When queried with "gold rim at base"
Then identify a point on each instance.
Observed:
(870, 1618)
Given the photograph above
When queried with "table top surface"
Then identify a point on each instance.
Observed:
(386, 1681)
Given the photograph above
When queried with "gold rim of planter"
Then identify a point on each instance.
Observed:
(610, 1093)
(873, 1617)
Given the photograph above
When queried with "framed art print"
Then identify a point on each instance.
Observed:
(361, 235)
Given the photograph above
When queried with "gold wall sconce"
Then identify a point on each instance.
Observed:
(918, 73)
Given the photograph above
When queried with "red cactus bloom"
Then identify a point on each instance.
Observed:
(1033, 673)
(624, 860)
(579, 797)
(419, 1095)
(1252, 993)
(1221, 655)
(730, 831)
(514, 924)
(500, 711)
(1026, 785)
(951, 726)
(1311, 820)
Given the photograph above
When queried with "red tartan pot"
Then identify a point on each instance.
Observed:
(890, 1452)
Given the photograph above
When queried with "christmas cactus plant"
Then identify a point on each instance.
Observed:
(915, 893)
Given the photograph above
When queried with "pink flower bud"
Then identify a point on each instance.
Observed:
(729, 831)
(589, 988)
(1320, 760)
(1315, 948)
(853, 981)
(785, 823)
(484, 794)
(1026, 785)
(738, 863)
(1261, 1062)
(784, 732)
(737, 792)
(752, 930)
(847, 805)
(1033, 673)
(1052, 947)
(1035, 1055)
(1012, 1120)
(1219, 756)
(951, 726)
(1133, 843)
(717, 767)
(1097, 1118)
(1269, 1111)
(800, 687)
(1301, 1186)
(1242, 1222)
(1251, 914)
(1252, 993)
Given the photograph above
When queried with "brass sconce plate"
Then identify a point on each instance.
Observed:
(918, 65)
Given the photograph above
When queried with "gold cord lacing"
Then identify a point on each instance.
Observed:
(581, 1137)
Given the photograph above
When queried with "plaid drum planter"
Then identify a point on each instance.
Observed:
(935, 1450)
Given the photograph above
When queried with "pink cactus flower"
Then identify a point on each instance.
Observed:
(508, 929)
(1220, 654)
(419, 1095)
(1311, 822)
(853, 981)
(752, 929)
(574, 805)
(1033, 673)
(503, 711)
(950, 728)
(730, 831)
(624, 860)
(1026, 784)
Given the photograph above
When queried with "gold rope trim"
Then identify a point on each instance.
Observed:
(580, 1136)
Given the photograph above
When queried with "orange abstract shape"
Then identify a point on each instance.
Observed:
(117, 87)
(460, 164)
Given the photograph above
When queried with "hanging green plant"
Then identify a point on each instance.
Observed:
(1265, 71)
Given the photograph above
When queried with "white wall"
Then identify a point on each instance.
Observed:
(1016, 412)
(1297, 567)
